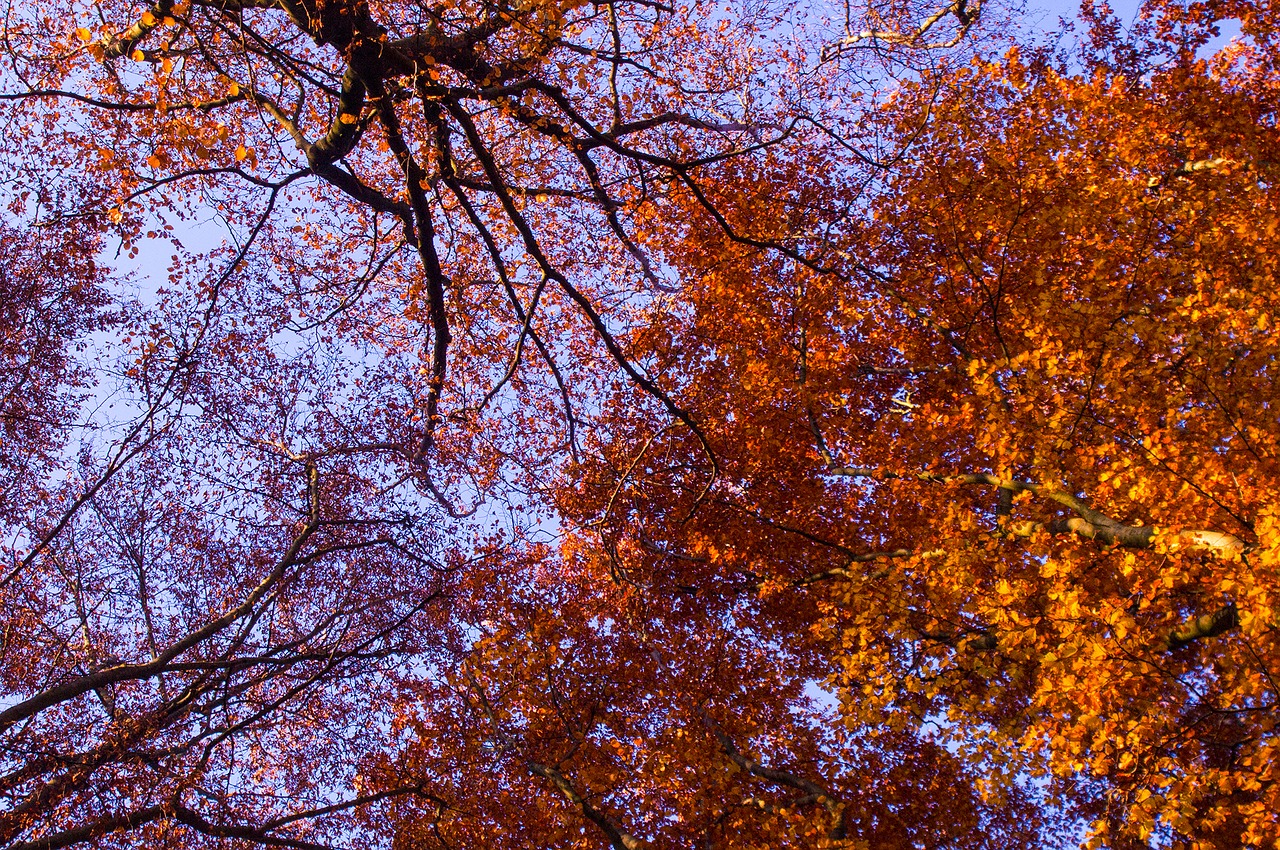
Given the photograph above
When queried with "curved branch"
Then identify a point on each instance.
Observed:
(965, 13)
(126, 672)
(619, 838)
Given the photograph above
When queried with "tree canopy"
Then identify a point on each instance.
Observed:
(551, 424)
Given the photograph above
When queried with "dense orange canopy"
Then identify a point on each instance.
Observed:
(564, 425)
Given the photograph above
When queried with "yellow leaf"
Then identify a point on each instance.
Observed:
(137, 55)
(1004, 589)
(242, 153)
(84, 35)
(348, 118)
(148, 19)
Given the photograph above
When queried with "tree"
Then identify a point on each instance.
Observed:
(615, 425)
(1010, 434)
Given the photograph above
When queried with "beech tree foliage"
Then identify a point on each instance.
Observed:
(557, 424)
